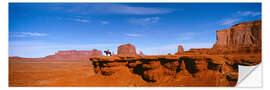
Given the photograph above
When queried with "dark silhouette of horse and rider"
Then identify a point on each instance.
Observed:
(107, 52)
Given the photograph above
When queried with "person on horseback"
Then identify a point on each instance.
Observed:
(107, 52)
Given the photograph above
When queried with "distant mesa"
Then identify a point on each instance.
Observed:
(126, 50)
(141, 53)
(15, 57)
(75, 54)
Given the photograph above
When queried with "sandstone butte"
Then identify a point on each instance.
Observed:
(126, 50)
(216, 66)
(180, 49)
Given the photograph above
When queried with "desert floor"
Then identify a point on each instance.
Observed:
(50, 72)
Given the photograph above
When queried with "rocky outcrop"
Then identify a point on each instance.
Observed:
(126, 50)
(180, 49)
(240, 38)
(170, 70)
(141, 53)
(75, 54)
(198, 51)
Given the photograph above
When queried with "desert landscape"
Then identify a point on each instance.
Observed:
(209, 67)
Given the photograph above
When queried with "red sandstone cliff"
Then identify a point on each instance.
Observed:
(241, 38)
(75, 54)
(240, 35)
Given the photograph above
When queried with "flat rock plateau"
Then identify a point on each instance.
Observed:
(208, 67)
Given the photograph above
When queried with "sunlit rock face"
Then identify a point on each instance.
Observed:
(126, 50)
(169, 70)
(240, 38)
(75, 54)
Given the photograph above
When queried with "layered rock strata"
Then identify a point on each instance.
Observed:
(240, 38)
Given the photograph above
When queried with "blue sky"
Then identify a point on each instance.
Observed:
(41, 29)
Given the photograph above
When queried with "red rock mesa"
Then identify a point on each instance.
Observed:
(75, 54)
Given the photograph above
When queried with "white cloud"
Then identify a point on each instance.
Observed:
(227, 22)
(240, 15)
(124, 9)
(104, 22)
(144, 21)
(100, 8)
(27, 34)
(134, 35)
(248, 13)
(81, 20)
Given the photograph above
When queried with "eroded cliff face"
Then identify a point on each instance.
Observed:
(240, 38)
(75, 54)
(172, 70)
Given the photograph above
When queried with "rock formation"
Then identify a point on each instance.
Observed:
(241, 38)
(198, 51)
(242, 34)
(180, 49)
(141, 53)
(171, 70)
(126, 50)
(75, 54)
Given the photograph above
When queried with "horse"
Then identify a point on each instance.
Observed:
(108, 52)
